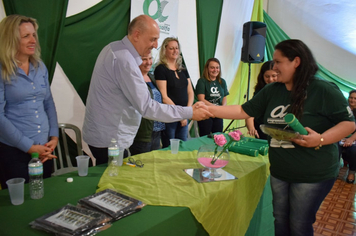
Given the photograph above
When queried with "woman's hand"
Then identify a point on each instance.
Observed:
(52, 143)
(313, 139)
(44, 153)
(251, 127)
(183, 123)
(348, 142)
(253, 133)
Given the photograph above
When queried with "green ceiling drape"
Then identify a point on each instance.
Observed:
(275, 35)
(85, 35)
(208, 22)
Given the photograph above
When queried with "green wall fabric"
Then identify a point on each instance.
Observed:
(208, 22)
(85, 35)
(275, 35)
(50, 16)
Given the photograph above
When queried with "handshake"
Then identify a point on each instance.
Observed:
(201, 111)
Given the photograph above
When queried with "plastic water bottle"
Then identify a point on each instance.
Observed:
(113, 162)
(35, 170)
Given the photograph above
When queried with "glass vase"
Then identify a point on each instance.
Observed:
(213, 157)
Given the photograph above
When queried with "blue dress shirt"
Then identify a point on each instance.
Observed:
(118, 98)
(27, 111)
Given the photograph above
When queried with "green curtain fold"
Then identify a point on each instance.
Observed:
(208, 23)
(275, 35)
(85, 35)
(50, 16)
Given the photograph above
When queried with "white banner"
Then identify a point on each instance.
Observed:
(164, 12)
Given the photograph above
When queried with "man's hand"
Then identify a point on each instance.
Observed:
(200, 111)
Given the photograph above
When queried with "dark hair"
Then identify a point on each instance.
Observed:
(306, 71)
(268, 65)
(351, 92)
(206, 70)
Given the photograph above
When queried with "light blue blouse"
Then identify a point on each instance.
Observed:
(27, 112)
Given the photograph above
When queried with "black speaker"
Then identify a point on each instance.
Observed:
(254, 41)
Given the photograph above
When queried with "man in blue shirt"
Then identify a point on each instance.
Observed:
(118, 95)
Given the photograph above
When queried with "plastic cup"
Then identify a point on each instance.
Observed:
(83, 164)
(16, 190)
(174, 145)
(121, 157)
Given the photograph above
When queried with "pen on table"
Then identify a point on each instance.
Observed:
(129, 164)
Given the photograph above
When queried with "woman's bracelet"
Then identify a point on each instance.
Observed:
(320, 144)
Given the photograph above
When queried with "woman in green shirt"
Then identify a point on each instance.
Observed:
(304, 173)
(212, 90)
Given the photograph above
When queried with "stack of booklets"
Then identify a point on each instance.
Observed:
(112, 203)
(92, 214)
(72, 220)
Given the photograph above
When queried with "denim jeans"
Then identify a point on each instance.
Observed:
(295, 205)
(174, 130)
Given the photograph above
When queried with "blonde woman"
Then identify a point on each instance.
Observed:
(28, 118)
(174, 83)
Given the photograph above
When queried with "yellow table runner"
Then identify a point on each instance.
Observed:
(222, 207)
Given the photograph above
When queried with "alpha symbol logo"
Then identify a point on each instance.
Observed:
(214, 90)
(279, 111)
(160, 7)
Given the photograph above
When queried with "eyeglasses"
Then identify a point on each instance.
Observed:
(138, 163)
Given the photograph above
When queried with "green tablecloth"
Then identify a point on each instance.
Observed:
(153, 219)
(222, 207)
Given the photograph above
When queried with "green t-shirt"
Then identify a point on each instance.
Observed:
(213, 90)
(324, 107)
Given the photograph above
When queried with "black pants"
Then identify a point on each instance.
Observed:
(14, 164)
(211, 125)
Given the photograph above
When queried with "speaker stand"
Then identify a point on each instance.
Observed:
(248, 94)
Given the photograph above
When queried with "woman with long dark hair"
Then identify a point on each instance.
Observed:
(304, 173)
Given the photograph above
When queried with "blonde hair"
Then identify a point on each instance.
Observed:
(162, 53)
(9, 44)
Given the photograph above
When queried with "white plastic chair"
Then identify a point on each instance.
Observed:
(58, 151)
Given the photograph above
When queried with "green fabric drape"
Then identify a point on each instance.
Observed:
(208, 22)
(85, 35)
(275, 35)
(50, 16)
